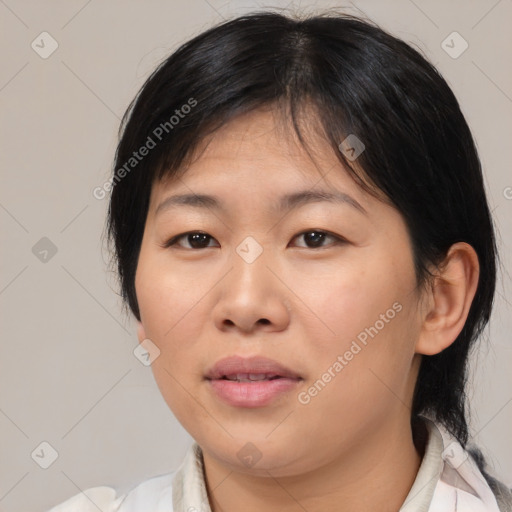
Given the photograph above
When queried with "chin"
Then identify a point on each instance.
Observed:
(258, 457)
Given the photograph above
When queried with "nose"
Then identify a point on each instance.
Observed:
(251, 298)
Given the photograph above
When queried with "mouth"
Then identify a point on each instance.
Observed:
(249, 369)
(250, 382)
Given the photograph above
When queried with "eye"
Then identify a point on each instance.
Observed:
(195, 239)
(315, 238)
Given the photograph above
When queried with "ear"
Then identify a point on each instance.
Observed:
(449, 299)
(141, 333)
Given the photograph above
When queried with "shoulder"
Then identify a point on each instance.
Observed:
(462, 474)
(153, 494)
(502, 493)
(90, 500)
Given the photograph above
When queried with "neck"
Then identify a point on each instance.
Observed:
(374, 474)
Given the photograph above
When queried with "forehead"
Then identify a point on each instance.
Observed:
(260, 151)
(253, 135)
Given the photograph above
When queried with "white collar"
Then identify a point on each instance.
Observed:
(448, 480)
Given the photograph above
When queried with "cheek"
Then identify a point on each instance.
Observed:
(166, 296)
(170, 310)
(365, 314)
(168, 306)
(371, 370)
(341, 300)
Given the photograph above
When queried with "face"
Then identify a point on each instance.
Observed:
(324, 287)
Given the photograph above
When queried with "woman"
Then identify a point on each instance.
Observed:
(301, 230)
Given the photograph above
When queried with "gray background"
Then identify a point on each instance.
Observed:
(68, 375)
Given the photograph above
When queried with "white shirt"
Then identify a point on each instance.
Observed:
(448, 481)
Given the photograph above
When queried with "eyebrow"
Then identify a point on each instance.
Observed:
(286, 203)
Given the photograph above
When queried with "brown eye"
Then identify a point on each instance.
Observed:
(315, 239)
(194, 239)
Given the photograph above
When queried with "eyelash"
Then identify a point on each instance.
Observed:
(173, 241)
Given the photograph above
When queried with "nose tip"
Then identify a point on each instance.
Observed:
(251, 298)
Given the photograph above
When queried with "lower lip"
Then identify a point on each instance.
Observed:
(251, 394)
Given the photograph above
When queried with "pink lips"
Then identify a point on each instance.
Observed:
(261, 380)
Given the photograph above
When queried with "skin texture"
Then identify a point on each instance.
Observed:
(350, 447)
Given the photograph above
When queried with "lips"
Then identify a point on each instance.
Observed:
(251, 382)
(250, 369)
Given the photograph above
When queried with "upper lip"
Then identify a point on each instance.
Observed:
(253, 365)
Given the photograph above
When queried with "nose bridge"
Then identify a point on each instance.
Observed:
(249, 262)
(249, 250)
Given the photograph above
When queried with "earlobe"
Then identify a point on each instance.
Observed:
(453, 289)
(141, 332)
